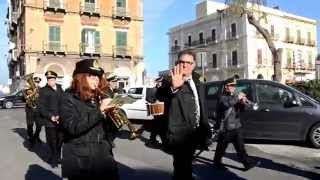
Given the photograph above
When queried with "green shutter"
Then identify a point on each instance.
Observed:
(97, 38)
(121, 38)
(121, 3)
(57, 33)
(83, 35)
(51, 33)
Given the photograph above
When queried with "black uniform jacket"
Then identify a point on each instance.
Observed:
(86, 150)
(228, 121)
(180, 108)
(48, 104)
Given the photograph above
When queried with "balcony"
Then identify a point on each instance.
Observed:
(210, 41)
(54, 47)
(300, 41)
(89, 9)
(54, 5)
(289, 39)
(175, 48)
(311, 43)
(121, 13)
(122, 51)
(232, 36)
(303, 68)
(90, 49)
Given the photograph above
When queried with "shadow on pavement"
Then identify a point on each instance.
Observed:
(208, 172)
(40, 150)
(36, 172)
(275, 166)
(141, 174)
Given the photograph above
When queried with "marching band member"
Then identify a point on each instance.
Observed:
(87, 150)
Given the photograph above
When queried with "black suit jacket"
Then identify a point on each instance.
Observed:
(179, 109)
(49, 101)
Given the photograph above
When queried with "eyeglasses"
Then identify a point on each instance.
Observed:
(185, 62)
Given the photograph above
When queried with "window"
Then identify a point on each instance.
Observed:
(287, 34)
(175, 43)
(233, 30)
(213, 91)
(272, 31)
(213, 35)
(189, 40)
(289, 57)
(121, 3)
(90, 5)
(309, 37)
(268, 94)
(135, 91)
(214, 61)
(305, 102)
(201, 38)
(298, 36)
(259, 53)
(121, 38)
(90, 39)
(54, 38)
(310, 59)
(246, 89)
(234, 58)
(55, 3)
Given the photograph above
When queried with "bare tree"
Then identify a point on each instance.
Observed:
(240, 7)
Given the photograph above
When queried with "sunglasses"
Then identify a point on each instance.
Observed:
(185, 62)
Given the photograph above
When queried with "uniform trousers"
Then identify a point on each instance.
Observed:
(54, 138)
(236, 138)
(33, 119)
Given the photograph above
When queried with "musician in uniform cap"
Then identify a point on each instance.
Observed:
(49, 99)
(32, 114)
(229, 106)
(87, 150)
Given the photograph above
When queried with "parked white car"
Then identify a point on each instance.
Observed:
(137, 109)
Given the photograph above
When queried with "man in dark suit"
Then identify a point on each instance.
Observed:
(186, 112)
(49, 99)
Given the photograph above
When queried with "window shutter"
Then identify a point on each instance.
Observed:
(57, 33)
(51, 33)
(83, 35)
(97, 38)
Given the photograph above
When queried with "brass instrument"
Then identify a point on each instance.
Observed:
(118, 117)
(31, 92)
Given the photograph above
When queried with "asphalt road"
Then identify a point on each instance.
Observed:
(137, 161)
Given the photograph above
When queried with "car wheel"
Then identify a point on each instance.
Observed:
(8, 105)
(314, 136)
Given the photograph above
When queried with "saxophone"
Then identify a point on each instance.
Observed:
(31, 92)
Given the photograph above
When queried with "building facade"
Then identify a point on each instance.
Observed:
(55, 34)
(226, 44)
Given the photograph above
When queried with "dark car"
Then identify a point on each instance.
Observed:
(279, 112)
(15, 99)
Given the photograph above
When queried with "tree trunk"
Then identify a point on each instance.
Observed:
(275, 52)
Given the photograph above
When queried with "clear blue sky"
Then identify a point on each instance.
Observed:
(159, 17)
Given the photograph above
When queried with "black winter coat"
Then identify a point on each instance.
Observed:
(87, 151)
(48, 104)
